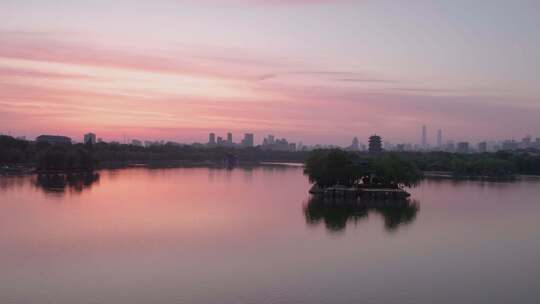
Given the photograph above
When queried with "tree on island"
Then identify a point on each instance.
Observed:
(395, 172)
(327, 168)
(333, 167)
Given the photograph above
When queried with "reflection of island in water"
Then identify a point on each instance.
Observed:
(60, 182)
(336, 213)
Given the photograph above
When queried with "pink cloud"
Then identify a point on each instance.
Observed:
(285, 102)
(45, 49)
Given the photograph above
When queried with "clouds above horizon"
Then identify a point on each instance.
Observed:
(182, 86)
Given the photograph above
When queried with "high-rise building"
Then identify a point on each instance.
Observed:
(424, 137)
(450, 146)
(89, 139)
(482, 147)
(463, 147)
(229, 138)
(375, 144)
(211, 139)
(248, 140)
(292, 147)
(439, 138)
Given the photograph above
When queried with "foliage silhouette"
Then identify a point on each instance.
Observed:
(337, 167)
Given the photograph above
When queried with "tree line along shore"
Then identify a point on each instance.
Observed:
(44, 156)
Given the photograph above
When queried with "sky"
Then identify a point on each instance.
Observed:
(317, 71)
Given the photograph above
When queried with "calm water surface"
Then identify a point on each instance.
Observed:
(254, 236)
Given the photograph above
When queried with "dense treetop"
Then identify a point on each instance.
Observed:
(337, 167)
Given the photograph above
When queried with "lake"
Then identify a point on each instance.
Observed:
(199, 235)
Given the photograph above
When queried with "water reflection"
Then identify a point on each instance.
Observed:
(337, 213)
(62, 183)
(17, 181)
(459, 182)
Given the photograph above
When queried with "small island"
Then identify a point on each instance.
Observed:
(339, 173)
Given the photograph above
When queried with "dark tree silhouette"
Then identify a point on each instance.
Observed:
(336, 167)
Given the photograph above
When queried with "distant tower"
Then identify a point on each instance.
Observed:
(424, 137)
(375, 144)
(439, 138)
(229, 138)
(211, 139)
(355, 146)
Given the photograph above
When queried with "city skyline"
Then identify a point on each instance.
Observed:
(271, 142)
(377, 68)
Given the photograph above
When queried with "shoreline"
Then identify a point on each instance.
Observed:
(30, 168)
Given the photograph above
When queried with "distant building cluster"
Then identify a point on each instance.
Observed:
(218, 141)
(464, 146)
(277, 144)
(375, 143)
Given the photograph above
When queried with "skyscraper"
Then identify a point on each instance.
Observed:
(463, 147)
(211, 139)
(229, 138)
(424, 137)
(248, 140)
(439, 138)
(90, 138)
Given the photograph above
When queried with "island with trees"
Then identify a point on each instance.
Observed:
(341, 173)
